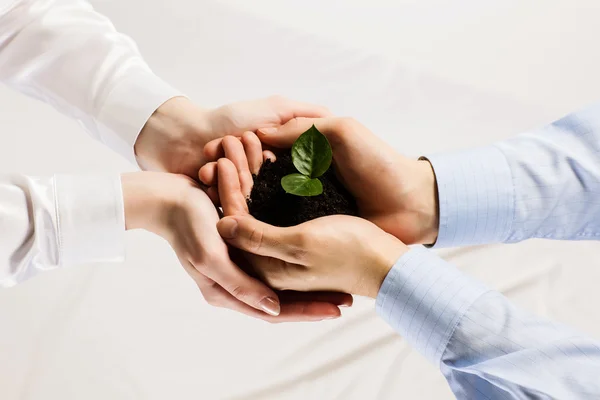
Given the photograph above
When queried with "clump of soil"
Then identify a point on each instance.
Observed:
(269, 203)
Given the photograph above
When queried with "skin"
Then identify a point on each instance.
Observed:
(173, 138)
(396, 193)
(308, 256)
(174, 207)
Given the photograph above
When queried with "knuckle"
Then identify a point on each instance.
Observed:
(210, 300)
(207, 261)
(255, 239)
(250, 137)
(204, 283)
(305, 238)
(229, 118)
(228, 141)
(211, 296)
(201, 263)
(346, 124)
(301, 241)
(294, 124)
(276, 99)
(299, 254)
(277, 275)
(239, 292)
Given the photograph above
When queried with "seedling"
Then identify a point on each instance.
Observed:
(311, 155)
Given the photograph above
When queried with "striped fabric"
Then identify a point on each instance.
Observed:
(544, 184)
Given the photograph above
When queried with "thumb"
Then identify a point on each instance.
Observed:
(256, 237)
(284, 136)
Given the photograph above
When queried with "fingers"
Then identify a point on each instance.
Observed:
(333, 128)
(339, 299)
(268, 155)
(232, 199)
(288, 109)
(303, 310)
(307, 311)
(285, 136)
(208, 173)
(246, 153)
(253, 236)
(253, 150)
(234, 151)
(213, 150)
(248, 290)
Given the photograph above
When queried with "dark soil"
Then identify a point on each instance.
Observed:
(269, 203)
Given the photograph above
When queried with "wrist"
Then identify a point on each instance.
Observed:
(173, 138)
(428, 212)
(384, 257)
(149, 198)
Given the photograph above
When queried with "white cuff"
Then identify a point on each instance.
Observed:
(90, 219)
(127, 108)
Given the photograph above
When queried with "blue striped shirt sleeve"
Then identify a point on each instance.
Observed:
(486, 347)
(541, 184)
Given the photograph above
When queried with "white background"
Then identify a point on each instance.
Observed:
(426, 75)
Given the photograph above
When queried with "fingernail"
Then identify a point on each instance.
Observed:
(228, 228)
(268, 131)
(331, 317)
(270, 306)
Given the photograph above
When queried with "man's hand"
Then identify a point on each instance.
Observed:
(335, 253)
(174, 137)
(396, 193)
(174, 207)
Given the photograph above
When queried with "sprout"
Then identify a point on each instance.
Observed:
(311, 155)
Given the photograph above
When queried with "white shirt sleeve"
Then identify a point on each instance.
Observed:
(46, 223)
(64, 53)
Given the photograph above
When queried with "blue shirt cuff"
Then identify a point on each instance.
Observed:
(476, 196)
(424, 298)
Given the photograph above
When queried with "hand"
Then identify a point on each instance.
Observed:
(173, 138)
(173, 207)
(335, 253)
(396, 193)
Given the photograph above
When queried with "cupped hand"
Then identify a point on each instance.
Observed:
(334, 253)
(174, 207)
(394, 192)
(173, 138)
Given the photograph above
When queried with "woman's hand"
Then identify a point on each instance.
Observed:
(173, 138)
(335, 253)
(174, 207)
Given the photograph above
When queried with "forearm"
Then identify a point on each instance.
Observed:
(67, 55)
(484, 344)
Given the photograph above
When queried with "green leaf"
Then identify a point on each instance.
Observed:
(301, 185)
(311, 153)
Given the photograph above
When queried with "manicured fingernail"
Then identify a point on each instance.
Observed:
(268, 131)
(270, 306)
(228, 228)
